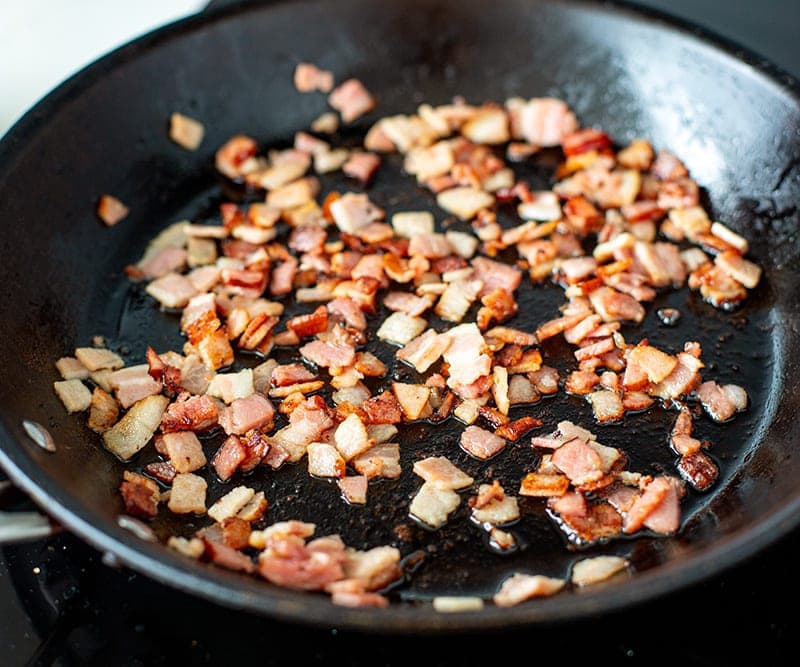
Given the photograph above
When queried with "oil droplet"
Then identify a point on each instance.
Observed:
(669, 316)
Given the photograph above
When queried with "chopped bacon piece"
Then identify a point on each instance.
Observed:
(581, 382)
(362, 166)
(612, 305)
(309, 324)
(716, 402)
(111, 210)
(698, 469)
(634, 401)
(496, 275)
(229, 457)
(432, 505)
(229, 558)
(585, 140)
(607, 405)
(594, 570)
(163, 471)
(544, 485)
(520, 587)
(308, 78)
(348, 310)
(325, 354)
(545, 380)
(657, 508)
(352, 100)
(442, 474)
(140, 495)
(410, 304)
(184, 451)
(668, 167)
(234, 153)
(289, 374)
(195, 413)
(517, 428)
(578, 461)
(246, 414)
(354, 489)
(543, 121)
(657, 365)
(480, 443)
(307, 238)
(382, 409)
(282, 277)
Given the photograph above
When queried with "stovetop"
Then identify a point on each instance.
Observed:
(60, 604)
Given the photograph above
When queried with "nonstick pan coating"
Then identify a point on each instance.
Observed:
(734, 121)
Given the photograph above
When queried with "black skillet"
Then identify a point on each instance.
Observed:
(733, 119)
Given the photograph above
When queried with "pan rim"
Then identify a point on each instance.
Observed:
(236, 592)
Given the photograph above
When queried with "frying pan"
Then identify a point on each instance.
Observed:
(734, 119)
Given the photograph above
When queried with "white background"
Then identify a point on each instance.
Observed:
(42, 42)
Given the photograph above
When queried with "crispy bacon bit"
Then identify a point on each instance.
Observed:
(516, 429)
(308, 78)
(657, 508)
(520, 587)
(581, 382)
(432, 505)
(352, 100)
(383, 409)
(140, 495)
(612, 305)
(607, 405)
(544, 485)
(361, 166)
(185, 131)
(234, 153)
(442, 474)
(163, 471)
(594, 570)
(698, 469)
(195, 413)
(245, 414)
(480, 443)
(328, 354)
(310, 324)
(716, 402)
(111, 210)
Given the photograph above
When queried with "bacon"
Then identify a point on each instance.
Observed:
(230, 157)
(498, 305)
(668, 167)
(229, 558)
(635, 401)
(352, 100)
(111, 210)
(307, 238)
(738, 268)
(282, 278)
(352, 212)
(545, 380)
(683, 378)
(543, 121)
(309, 324)
(581, 382)
(698, 469)
(716, 402)
(594, 348)
(410, 304)
(229, 457)
(442, 474)
(307, 422)
(310, 566)
(140, 495)
(382, 409)
(184, 451)
(362, 166)
(480, 443)
(599, 522)
(655, 364)
(612, 305)
(632, 284)
(585, 140)
(328, 354)
(308, 78)
(514, 430)
(348, 599)
(520, 587)
(246, 414)
(288, 374)
(195, 413)
(349, 311)
(132, 384)
(466, 362)
(496, 275)
(163, 471)
(166, 260)
(607, 405)
(578, 461)
(657, 508)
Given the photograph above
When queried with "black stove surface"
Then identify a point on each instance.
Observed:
(60, 604)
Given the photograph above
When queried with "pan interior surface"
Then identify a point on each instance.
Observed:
(737, 130)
